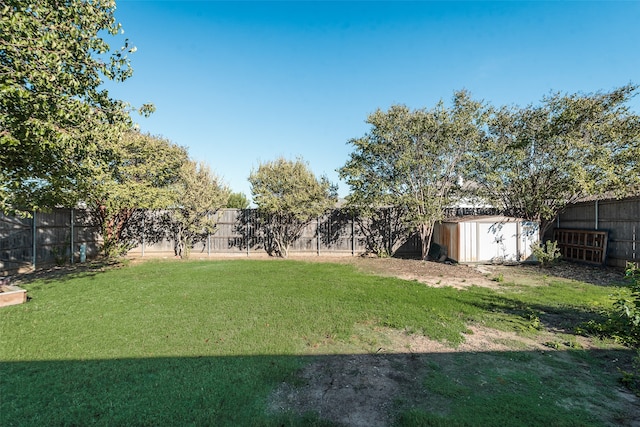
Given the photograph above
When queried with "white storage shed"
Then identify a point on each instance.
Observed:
(486, 238)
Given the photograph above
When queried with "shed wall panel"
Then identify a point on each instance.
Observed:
(488, 240)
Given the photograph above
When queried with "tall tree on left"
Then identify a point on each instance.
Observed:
(138, 179)
(55, 118)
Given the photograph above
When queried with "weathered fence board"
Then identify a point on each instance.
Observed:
(620, 218)
(237, 232)
(45, 238)
(61, 232)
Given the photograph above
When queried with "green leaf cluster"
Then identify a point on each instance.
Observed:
(546, 254)
(199, 194)
(140, 173)
(54, 115)
(538, 159)
(529, 162)
(628, 308)
(238, 201)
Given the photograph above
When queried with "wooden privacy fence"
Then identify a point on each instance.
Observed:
(56, 236)
(238, 233)
(618, 218)
(59, 236)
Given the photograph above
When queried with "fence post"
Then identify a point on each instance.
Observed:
(247, 215)
(143, 233)
(353, 234)
(318, 235)
(389, 245)
(35, 236)
(209, 235)
(633, 245)
(71, 253)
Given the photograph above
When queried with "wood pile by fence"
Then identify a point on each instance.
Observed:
(619, 218)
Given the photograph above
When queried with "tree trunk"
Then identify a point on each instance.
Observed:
(544, 226)
(426, 232)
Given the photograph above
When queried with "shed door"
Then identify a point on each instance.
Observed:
(497, 241)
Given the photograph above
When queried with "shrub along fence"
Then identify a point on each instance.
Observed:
(238, 233)
(64, 235)
(67, 235)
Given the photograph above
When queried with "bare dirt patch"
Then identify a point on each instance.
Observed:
(360, 389)
(430, 273)
(371, 389)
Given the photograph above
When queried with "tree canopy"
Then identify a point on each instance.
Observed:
(141, 173)
(199, 194)
(288, 196)
(412, 159)
(238, 201)
(54, 115)
(529, 162)
(540, 158)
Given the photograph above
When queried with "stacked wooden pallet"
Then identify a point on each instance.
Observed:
(588, 246)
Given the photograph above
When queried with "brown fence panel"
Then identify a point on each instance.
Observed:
(16, 242)
(58, 236)
(620, 218)
(237, 233)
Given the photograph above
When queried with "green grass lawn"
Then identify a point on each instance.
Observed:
(205, 343)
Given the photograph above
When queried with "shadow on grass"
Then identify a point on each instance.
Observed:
(597, 275)
(494, 388)
(67, 272)
(558, 318)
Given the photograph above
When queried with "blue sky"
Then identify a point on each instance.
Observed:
(240, 83)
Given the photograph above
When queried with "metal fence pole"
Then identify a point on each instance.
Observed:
(71, 239)
(633, 245)
(389, 244)
(35, 235)
(353, 234)
(209, 235)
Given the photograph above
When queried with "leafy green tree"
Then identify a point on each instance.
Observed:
(541, 158)
(238, 201)
(53, 112)
(199, 195)
(411, 160)
(140, 174)
(289, 197)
